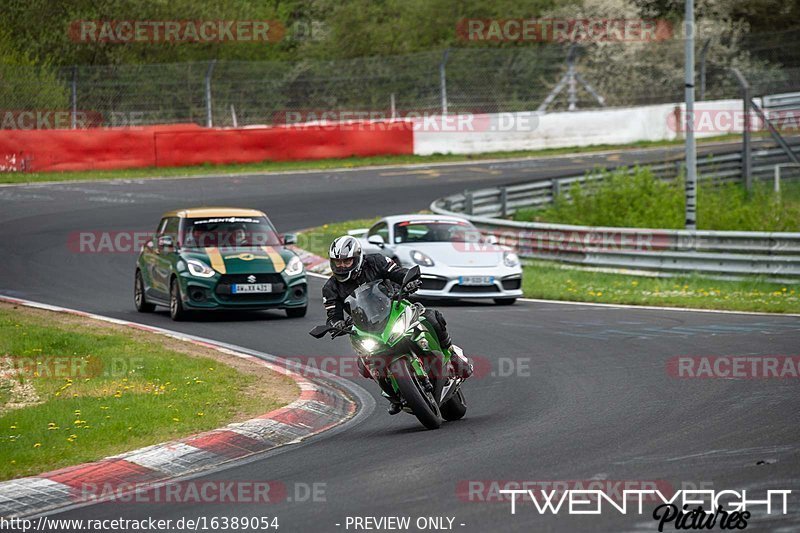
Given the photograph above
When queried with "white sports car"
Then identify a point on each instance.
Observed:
(455, 260)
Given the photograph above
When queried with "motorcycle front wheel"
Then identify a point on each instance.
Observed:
(421, 403)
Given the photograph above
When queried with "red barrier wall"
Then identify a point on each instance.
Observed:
(189, 144)
(280, 144)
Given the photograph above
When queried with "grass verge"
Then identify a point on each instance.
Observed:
(322, 164)
(552, 282)
(77, 390)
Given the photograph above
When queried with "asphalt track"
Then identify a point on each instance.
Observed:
(589, 396)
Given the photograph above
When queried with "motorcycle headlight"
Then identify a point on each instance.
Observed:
(510, 259)
(368, 345)
(401, 326)
(294, 266)
(421, 259)
(199, 269)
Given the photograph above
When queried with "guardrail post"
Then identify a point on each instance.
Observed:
(556, 189)
(503, 202)
(468, 202)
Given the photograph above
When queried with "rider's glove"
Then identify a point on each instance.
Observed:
(413, 286)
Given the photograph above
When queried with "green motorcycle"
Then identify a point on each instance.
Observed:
(400, 350)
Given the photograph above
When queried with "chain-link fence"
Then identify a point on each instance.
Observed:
(455, 80)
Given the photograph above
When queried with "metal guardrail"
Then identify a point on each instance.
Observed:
(773, 255)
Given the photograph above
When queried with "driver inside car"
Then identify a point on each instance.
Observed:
(351, 269)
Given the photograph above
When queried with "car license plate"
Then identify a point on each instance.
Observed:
(476, 280)
(251, 287)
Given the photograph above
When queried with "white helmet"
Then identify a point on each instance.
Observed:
(343, 248)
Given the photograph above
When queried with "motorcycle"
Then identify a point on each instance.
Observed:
(400, 350)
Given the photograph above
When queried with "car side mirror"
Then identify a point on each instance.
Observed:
(377, 240)
(165, 242)
(412, 274)
(290, 238)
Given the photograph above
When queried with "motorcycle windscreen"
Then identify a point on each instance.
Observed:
(370, 306)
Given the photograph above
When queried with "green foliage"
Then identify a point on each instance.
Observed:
(26, 85)
(640, 200)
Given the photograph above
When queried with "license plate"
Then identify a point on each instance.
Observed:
(251, 287)
(476, 280)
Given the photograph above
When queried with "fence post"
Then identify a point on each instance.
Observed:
(74, 98)
(209, 72)
(443, 80)
(468, 202)
(747, 165)
(703, 53)
(503, 202)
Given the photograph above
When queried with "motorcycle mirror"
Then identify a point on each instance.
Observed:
(319, 331)
(411, 275)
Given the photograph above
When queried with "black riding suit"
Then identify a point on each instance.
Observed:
(375, 266)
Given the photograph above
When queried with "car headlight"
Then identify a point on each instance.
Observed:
(510, 259)
(421, 259)
(294, 266)
(199, 269)
(401, 326)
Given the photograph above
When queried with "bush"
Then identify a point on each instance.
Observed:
(640, 200)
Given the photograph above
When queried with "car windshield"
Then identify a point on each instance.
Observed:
(370, 306)
(226, 232)
(435, 231)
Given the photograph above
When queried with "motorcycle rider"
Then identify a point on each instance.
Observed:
(351, 269)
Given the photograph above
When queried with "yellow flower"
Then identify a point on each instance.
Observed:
(176, 419)
(37, 445)
(200, 414)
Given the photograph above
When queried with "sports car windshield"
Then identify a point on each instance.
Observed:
(435, 231)
(223, 232)
(370, 306)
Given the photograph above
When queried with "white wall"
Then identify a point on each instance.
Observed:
(532, 131)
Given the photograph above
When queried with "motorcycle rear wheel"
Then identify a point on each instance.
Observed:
(455, 408)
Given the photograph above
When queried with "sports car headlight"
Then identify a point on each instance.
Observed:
(510, 259)
(421, 259)
(199, 269)
(294, 266)
(401, 326)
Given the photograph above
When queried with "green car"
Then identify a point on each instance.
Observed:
(219, 258)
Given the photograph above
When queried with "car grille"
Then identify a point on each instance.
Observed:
(472, 289)
(223, 289)
(433, 284)
(512, 284)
